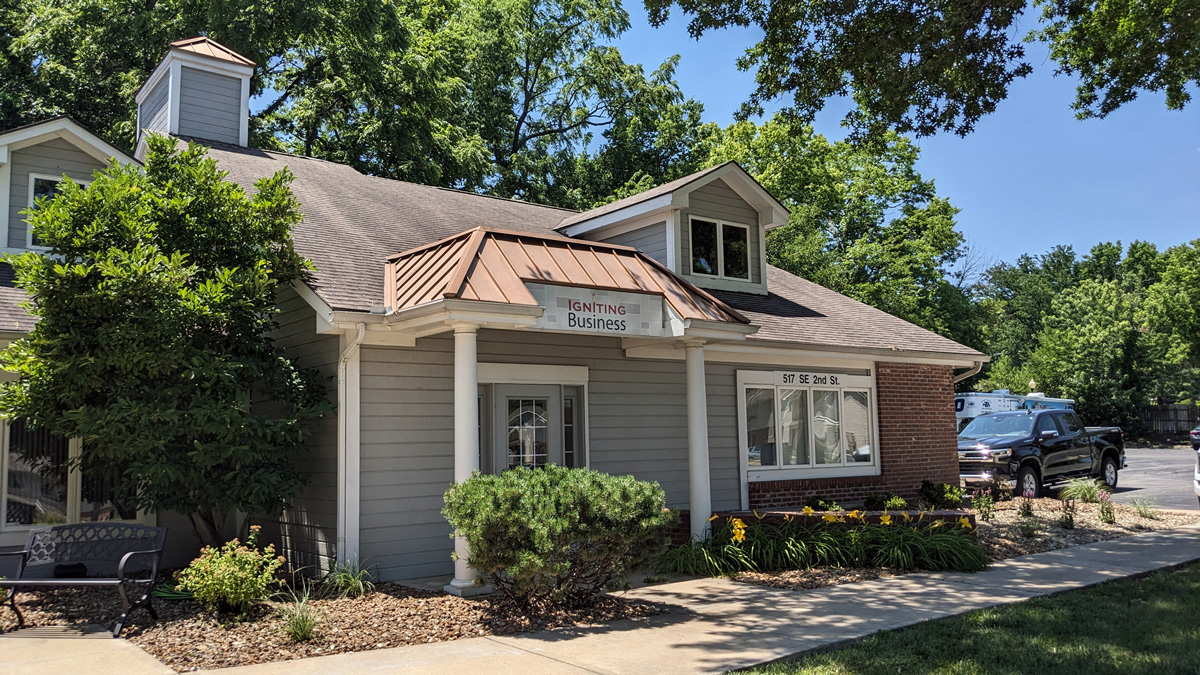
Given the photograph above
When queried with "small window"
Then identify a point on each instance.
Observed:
(528, 432)
(760, 426)
(1071, 422)
(735, 249)
(704, 247)
(720, 249)
(43, 187)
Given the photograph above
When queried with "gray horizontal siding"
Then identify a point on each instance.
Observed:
(54, 157)
(209, 105)
(308, 530)
(719, 202)
(637, 418)
(651, 240)
(155, 112)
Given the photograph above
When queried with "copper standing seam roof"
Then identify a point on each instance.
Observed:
(492, 265)
(206, 47)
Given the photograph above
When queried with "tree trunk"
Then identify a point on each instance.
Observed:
(208, 528)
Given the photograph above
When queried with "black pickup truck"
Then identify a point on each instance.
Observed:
(1032, 448)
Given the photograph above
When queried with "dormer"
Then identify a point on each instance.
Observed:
(201, 90)
(709, 227)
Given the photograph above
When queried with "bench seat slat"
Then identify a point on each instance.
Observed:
(62, 582)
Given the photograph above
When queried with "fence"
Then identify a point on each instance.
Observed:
(1171, 419)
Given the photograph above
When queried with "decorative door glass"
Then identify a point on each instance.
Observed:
(528, 432)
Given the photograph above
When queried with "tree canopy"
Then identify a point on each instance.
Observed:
(153, 305)
(929, 66)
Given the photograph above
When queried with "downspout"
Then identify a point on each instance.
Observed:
(344, 437)
(970, 372)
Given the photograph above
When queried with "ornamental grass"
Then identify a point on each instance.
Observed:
(901, 541)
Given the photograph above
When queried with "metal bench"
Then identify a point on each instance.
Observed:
(86, 555)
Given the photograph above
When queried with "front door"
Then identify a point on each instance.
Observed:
(527, 426)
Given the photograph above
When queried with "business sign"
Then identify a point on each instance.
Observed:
(587, 310)
(799, 378)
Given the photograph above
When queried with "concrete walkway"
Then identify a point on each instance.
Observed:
(720, 625)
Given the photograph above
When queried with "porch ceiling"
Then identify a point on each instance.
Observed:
(490, 265)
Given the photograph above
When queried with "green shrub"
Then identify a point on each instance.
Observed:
(985, 505)
(821, 503)
(299, 618)
(349, 579)
(233, 577)
(1025, 508)
(895, 503)
(885, 502)
(556, 535)
(941, 495)
(1029, 526)
(1108, 513)
(737, 546)
(1145, 508)
(1086, 490)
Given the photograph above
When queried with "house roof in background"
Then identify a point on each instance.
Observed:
(489, 265)
(205, 47)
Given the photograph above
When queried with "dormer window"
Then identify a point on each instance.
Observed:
(720, 248)
(42, 186)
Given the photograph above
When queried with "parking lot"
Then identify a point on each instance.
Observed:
(1162, 476)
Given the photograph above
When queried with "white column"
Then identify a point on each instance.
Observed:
(466, 438)
(699, 490)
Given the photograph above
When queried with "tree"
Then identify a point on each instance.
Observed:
(924, 66)
(864, 222)
(153, 305)
(1170, 315)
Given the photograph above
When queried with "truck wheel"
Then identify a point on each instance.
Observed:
(1108, 472)
(1028, 481)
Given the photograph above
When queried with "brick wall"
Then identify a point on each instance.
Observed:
(917, 441)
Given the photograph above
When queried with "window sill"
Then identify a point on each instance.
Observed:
(798, 473)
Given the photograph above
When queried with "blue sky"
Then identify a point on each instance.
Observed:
(1029, 177)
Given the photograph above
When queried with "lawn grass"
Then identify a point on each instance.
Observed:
(1149, 625)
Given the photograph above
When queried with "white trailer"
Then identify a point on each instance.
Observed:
(970, 405)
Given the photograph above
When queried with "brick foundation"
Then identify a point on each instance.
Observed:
(918, 441)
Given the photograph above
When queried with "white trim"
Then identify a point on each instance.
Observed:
(623, 228)
(34, 176)
(349, 419)
(796, 354)
(640, 211)
(173, 90)
(5, 200)
(532, 373)
(673, 242)
(244, 114)
(68, 130)
(720, 226)
(768, 379)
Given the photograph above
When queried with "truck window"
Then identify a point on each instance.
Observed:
(1047, 423)
(1071, 423)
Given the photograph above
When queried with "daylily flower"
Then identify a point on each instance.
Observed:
(829, 518)
(714, 517)
(853, 514)
(885, 519)
(906, 516)
(936, 524)
(964, 523)
(756, 515)
(808, 510)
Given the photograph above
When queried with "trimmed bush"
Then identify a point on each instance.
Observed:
(880, 501)
(765, 546)
(234, 577)
(821, 503)
(941, 495)
(558, 536)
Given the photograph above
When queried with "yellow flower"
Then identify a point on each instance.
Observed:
(714, 517)
(808, 511)
(738, 524)
(906, 516)
(829, 518)
(756, 515)
(964, 522)
(885, 519)
(787, 518)
(936, 524)
(739, 535)
(853, 514)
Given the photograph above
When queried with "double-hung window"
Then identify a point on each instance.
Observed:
(720, 249)
(42, 186)
(797, 424)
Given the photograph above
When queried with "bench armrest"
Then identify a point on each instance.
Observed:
(154, 556)
(22, 557)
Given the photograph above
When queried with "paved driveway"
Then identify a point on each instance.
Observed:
(1162, 476)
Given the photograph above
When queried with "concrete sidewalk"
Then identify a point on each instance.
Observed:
(717, 625)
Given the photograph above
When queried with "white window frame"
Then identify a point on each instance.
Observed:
(29, 203)
(720, 248)
(758, 379)
(15, 535)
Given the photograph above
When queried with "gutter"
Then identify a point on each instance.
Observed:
(348, 450)
(970, 372)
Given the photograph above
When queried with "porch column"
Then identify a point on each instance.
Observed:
(466, 439)
(700, 492)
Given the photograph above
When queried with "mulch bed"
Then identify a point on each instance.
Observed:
(1001, 538)
(187, 638)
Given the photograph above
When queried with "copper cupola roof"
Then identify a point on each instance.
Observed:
(490, 265)
(203, 46)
